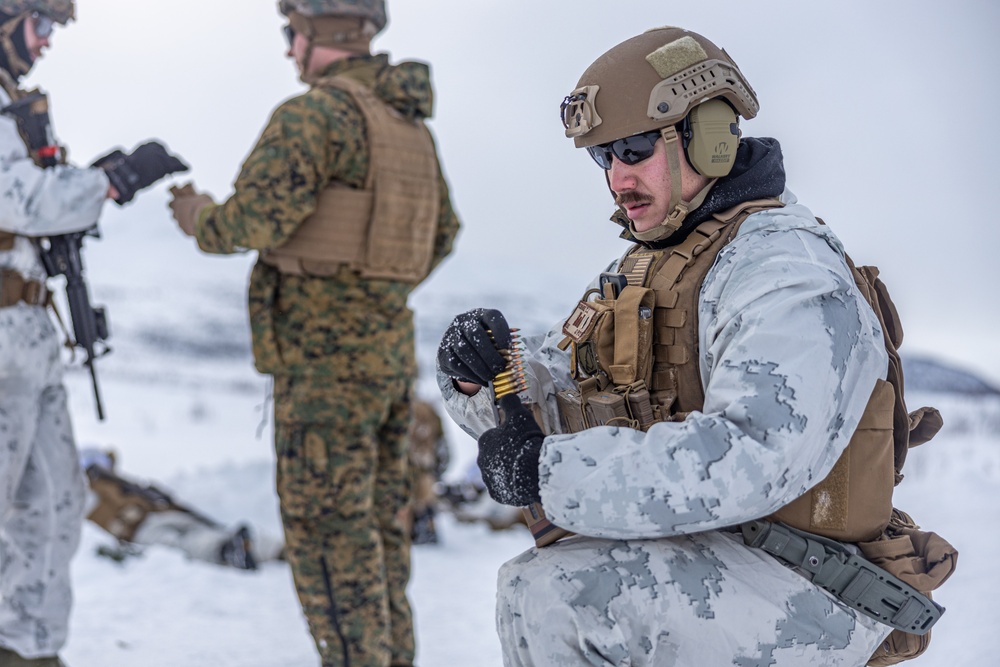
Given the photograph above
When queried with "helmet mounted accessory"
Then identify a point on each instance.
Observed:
(710, 135)
(683, 72)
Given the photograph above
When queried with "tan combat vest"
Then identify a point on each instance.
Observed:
(385, 230)
(636, 358)
(15, 288)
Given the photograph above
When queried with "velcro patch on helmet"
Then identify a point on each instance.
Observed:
(676, 56)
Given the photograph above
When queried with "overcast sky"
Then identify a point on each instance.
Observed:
(886, 111)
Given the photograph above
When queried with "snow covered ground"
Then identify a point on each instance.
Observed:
(186, 410)
(163, 610)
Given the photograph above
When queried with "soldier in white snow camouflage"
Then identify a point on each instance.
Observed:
(41, 485)
(748, 374)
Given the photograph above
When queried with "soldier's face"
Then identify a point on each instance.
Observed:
(643, 188)
(297, 48)
(34, 42)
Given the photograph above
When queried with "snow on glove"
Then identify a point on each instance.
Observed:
(508, 455)
(144, 166)
(468, 353)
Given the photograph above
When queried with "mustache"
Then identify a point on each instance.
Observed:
(632, 197)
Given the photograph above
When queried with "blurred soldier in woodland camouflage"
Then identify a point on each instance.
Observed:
(345, 201)
(429, 457)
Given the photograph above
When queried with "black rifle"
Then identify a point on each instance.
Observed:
(61, 254)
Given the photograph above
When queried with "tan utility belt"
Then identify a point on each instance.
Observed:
(15, 288)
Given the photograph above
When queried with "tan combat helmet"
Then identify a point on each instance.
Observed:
(60, 11)
(345, 24)
(690, 82)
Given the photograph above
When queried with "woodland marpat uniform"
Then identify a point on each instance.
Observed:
(341, 350)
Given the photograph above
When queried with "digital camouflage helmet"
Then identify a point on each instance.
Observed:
(345, 24)
(373, 10)
(60, 11)
(692, 84)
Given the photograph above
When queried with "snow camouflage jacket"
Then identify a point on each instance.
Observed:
(782, 395)
(38, 202)
(342, 326)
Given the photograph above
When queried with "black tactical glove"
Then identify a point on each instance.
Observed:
(508, 455)
(468, 353)
(146, 165)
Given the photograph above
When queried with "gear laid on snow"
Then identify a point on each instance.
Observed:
(12, 659)
(237, 551)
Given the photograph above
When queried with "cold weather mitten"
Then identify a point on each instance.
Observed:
(186, 205)
(508, 455)
(144, 166)
(468, 352)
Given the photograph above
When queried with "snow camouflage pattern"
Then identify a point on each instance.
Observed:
(60, 11)
(41, 486)
(341, 350)
(789, 354)
(702, 599)
(373, 10)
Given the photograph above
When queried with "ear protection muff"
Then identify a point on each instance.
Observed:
(710, 135)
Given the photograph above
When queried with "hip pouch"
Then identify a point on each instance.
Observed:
(921, 559)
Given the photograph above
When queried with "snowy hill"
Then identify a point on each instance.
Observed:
(925, 374)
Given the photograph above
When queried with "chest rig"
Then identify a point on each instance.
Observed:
(635, 358)
(385, 230)
(30, 111)
(638, 340)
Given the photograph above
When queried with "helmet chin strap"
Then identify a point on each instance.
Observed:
(678, 208)
(18, 66)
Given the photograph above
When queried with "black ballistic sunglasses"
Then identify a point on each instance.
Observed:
(43, 24)
(630, 150)
(289, 33)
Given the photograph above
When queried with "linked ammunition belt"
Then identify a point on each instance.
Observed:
(852, 579)
(14, 288)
